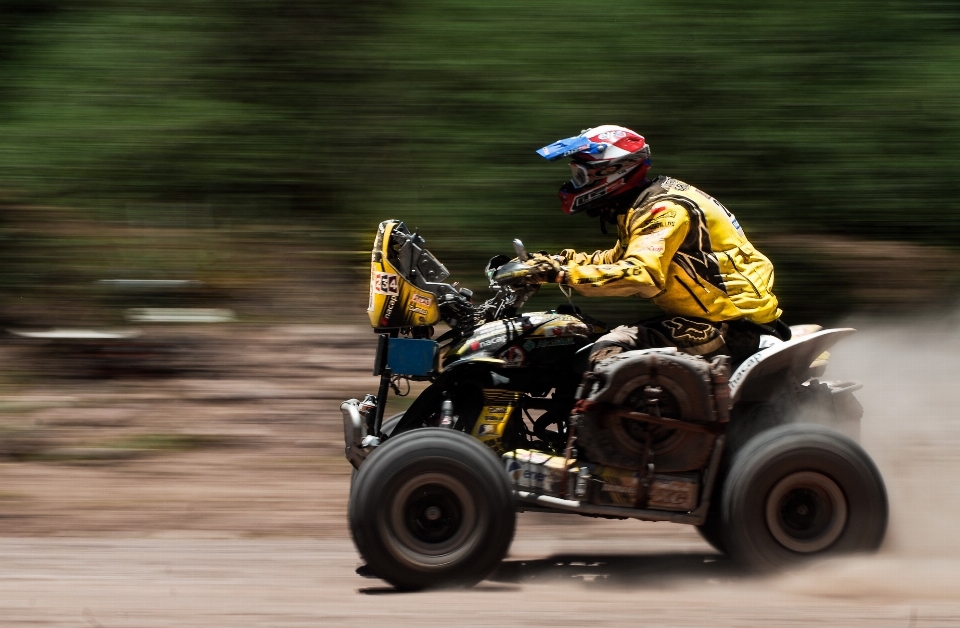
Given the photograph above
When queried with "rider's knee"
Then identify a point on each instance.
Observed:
(603, 349)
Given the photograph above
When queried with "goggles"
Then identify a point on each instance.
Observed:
(583, 173)
(579, 176)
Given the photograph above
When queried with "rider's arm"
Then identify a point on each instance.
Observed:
(640, 267)
(597, 257)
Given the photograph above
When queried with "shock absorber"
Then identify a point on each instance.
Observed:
(446, 414)
(368, 410)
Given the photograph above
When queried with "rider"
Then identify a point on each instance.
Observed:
(676, 246)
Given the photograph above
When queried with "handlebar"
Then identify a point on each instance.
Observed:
(513, 282)
(513, 273)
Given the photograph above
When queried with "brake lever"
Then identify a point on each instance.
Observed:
(520, 250)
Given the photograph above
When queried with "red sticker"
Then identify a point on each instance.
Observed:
(659, 207)
(515, 356)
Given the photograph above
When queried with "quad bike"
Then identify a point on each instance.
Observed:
(763, 461)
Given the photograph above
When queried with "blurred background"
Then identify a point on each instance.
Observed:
(248, 149)
(188, 196)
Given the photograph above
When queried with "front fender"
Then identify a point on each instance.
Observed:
(463, 382)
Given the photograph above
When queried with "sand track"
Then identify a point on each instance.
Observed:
(226, 506)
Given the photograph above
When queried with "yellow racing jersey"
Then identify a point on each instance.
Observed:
(682, 249)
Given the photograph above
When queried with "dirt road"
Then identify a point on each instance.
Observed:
(660, 578)
(215, 496)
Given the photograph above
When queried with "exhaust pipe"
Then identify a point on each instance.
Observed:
(353, 432)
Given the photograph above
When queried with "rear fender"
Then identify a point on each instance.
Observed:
(791, 360)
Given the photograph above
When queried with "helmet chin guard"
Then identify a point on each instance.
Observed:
(600, 195)
(607, 161)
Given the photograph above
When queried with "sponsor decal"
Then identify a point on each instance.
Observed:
(547, 342)
(515, 356)
(614, 488)
(669, 183)
(659, 223)
(661, 211)
(490, 330)
(514, 470)
(377, 255)
(417, 309)
(495, 340)
(421, 300)
(391, 303)
(653, 241)
(736, 225)
(745, 368)
(586, 198)
(611, 136)
(490, 341)
(495, 396)
(486, 429)
(536, 476)
(523, 325)
(495, 410)
(683, 329)
(385, 283)
(568, 329)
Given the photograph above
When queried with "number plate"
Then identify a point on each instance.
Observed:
(385, 283)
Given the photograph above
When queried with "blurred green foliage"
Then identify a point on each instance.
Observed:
(828, 116)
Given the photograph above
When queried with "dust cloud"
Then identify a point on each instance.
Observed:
(911, 427)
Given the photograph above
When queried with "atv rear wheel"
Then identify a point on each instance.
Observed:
(799, 491)
(432, 507)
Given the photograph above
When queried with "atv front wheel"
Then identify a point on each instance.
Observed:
(386, 429)
(799, 491)
(432, 508)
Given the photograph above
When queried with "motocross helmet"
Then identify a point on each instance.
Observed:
(607, 161)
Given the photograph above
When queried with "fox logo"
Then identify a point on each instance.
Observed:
(691, 331)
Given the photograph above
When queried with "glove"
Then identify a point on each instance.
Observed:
(545, 268)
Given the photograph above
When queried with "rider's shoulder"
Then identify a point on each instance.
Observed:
(670, 184)
(660, 194)
(658, 213)
(660, 187)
